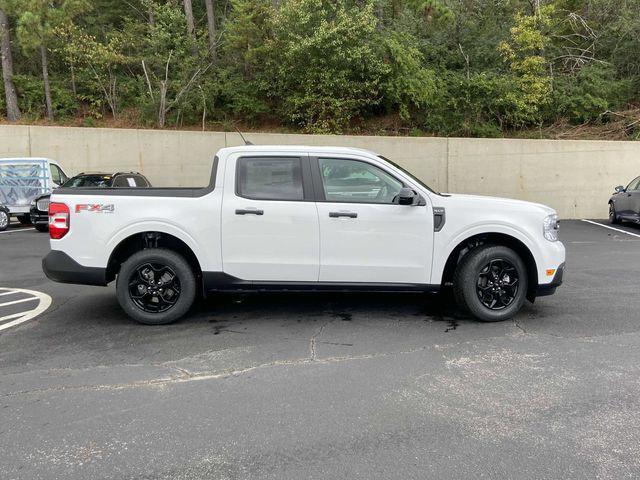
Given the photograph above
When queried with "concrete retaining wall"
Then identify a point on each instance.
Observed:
(574, 177)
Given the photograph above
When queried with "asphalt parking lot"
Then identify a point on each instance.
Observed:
(325, 386)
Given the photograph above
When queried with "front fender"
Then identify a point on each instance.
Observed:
(444, 247)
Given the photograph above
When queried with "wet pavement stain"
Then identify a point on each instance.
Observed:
(345, 317)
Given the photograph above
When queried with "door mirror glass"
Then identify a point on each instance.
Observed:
(406, 196)
(619, 189)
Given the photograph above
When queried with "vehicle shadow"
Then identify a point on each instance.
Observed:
(342, 306)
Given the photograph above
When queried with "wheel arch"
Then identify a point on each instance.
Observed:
(492, 238)
(150, 239)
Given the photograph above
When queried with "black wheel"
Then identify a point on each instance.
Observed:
(491, 283)
(4, 220)
(156, 286)
(42, 227)
(24, 219)
(613, 216)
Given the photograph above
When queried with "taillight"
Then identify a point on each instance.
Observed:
(58, 220)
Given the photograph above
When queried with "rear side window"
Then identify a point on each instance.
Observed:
(129, 181)
(140, 181)
(269, 178)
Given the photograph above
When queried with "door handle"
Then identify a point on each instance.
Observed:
(343, 214)
(249, 211)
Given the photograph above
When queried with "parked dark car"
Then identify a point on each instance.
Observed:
(40, 205)
(624, 204)
(4, 218)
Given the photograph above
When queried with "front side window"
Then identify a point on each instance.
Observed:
(634, 185)
(56, 175)
(88, 181)
(356, 181)
(270, 178)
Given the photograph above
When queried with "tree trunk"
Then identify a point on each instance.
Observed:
(188, 12)
(47, 86)
(211, 23)
(13, 111)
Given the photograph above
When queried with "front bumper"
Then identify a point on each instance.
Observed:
(38, 217)
(60, 267)
(550, 288)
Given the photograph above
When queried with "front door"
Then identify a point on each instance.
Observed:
(365, 236)
(626, 204)
(270, 230)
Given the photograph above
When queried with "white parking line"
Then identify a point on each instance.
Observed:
(8, 293)
(44, 302)
(17, 230)
(22, 300)
(611, 228)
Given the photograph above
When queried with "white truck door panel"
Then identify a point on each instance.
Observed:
(383, 244)
(367, 238)
(269, 231)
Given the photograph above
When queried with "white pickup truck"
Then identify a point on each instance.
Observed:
(302, 218)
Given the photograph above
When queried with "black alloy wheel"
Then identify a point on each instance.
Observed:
(154, 287)
(498, 283)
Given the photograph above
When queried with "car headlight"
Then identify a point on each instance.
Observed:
(550, 228)
(33, 202)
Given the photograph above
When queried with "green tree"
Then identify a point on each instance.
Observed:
(524, 53)
(326, 67)
(37, 23)
(11, 99)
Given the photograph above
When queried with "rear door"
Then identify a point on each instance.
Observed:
(365, 236)
(270, 230)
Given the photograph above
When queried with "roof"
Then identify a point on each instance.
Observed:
(26, 159)
(296, 148)
(105, 174)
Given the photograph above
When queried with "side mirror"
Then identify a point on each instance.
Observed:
(407, 196)
(619, 189)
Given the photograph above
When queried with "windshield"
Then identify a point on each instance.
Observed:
(409, 174)
(88, 181)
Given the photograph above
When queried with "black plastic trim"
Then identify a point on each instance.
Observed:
(550, 288)
(60, 267)
(192, 192)
(439, 218)
(223, 282)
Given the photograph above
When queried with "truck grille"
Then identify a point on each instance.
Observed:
(43, 205)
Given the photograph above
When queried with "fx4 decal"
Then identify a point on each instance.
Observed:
(96, 208)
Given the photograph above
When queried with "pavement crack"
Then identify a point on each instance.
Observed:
(314, 340)
(519, 327)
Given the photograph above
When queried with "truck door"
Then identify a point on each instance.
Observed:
(365, 237)
(270, 228)
(626, 204)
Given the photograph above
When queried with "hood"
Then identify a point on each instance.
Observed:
(507, 203)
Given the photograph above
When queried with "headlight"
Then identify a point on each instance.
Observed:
(550, 228)
(33, 202)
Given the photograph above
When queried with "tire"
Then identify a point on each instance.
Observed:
(42, 227)
(24, 219)
(163, 263)
(613, 216)
(4, 220)
(473, 275)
